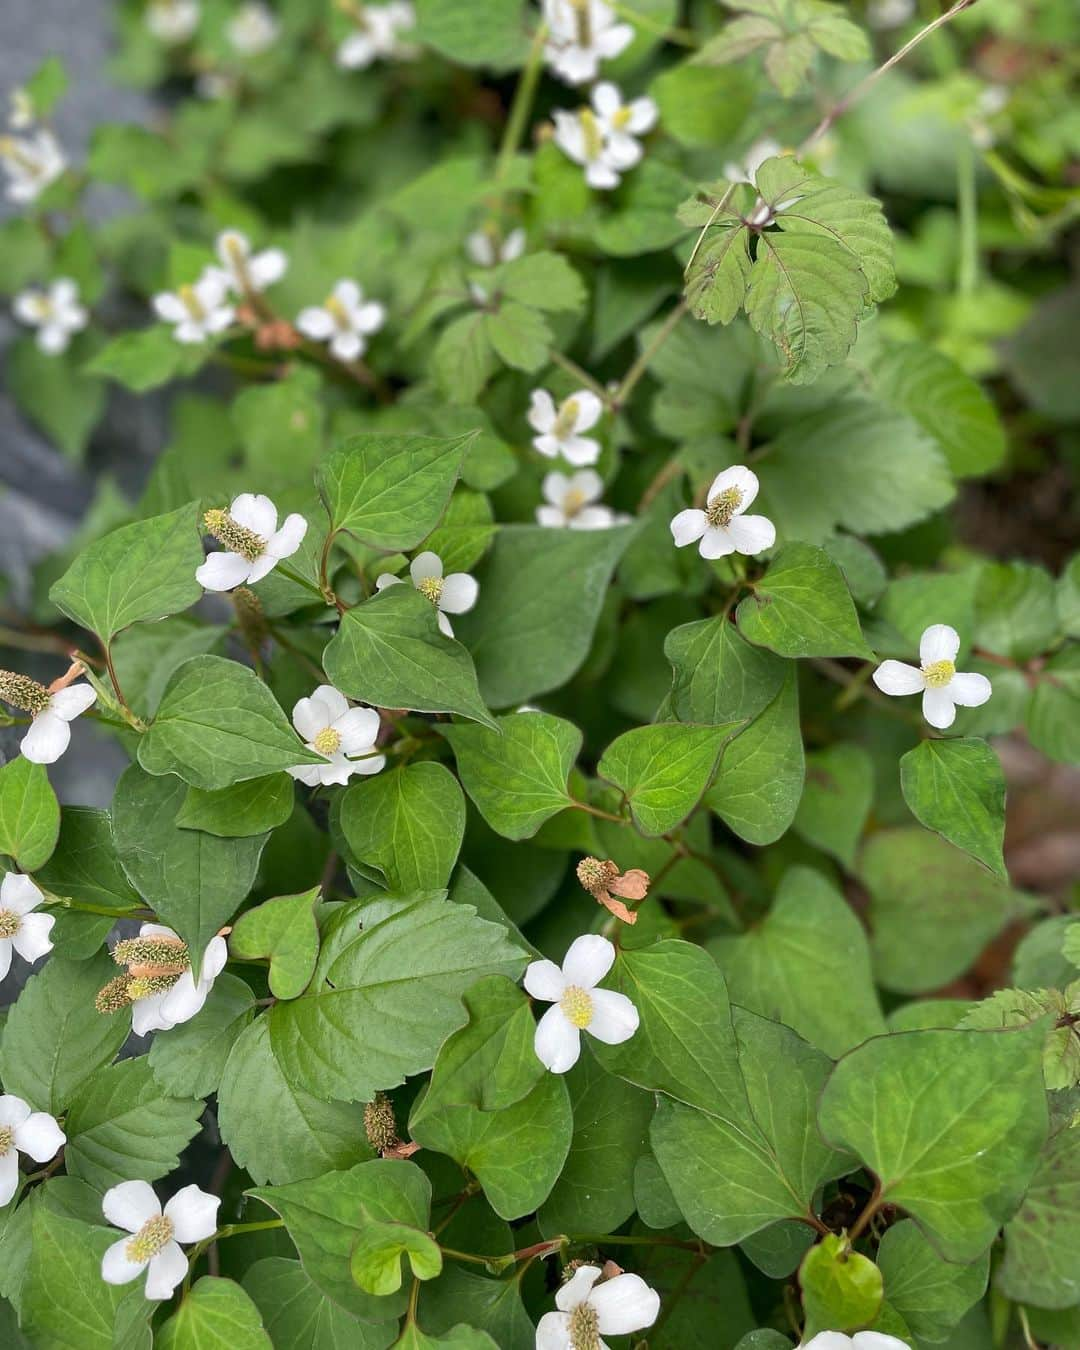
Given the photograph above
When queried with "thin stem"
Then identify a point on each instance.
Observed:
(600, 814)
(293, 575)
(125, 706)
(572, 368)
(967, 201)
(34, 642)
(641, 365)
(470, 1257)
(670, 470)
(521, 107)
(678, 37)
(853, 95)
(84, 907)
(870, 1209)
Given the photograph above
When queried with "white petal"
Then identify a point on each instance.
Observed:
(9, 1176)
(542, 412)
(556, 485)
(182, 1002)
(939, 643)
(589, 483)
(547, 445)
(577, 1289)
(40, 1136)
(5, 957)
(316, 323)
(553, 1332)
(19, 893)
(513, 245)
(752, 534)
(643, 115)
(146, 1015)
(384, 579)
(348, 294)
(130, 1204)
(193, 1213)
(47, 739)
(165, 1271)
(593, 518)
(52, 338)
(157, 930)
(70, 702)
(255, 512)
(358, 729)
(356, 52)
(622, 152)
(602, 176)
(624, 1304)
(588, 960)
(332, 701)
(116, 1268)
(445, 626)
(606, 99)
(214, 958)
(459, 593)
(425, 565)
(288, 539)
(267, 267)
(480, 249)
(544, 980)
(222, 571)
(261, 567)
(611, 41)
(170, 307)
(829, 1340)
(969, 689)
(876, 1340)
(688, 526)
(738, 476)
(347, 346)
(578, 450)
(557, 1041)
(614, 1019)
(938, 708)
(371, 764)
(13, 1110)
(310, 716)
(716, 542)
(33, 939)
(308, 774)
(370, 318)
(551, 517)
(897, 677)
(590, 409)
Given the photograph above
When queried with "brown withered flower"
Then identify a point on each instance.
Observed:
(604, 882)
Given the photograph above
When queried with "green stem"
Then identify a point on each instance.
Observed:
(521, 107)
(601, 815)
(967, 202)
(641, 365)
(679, 37)
(293, 575)
(572, 368)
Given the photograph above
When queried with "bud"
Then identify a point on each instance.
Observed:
(380, 1124)
(23, 693)
(164, 954)
(250, 616)
(114, 995)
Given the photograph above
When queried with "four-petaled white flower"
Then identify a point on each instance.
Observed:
(573, 501)
(590, 1308)
(49, 735)
(20, 928)
(722, 527)
(862, 1340)
(253, 543)
(603, 138)
(34, 1133)
(454, 594)
(253, 29)
(163, 1009)
(198, 311)
(243, 270)
(578, 1005)
(173, 21)
(55, 313)
(745, 170)
(560, 428)
(156, 1234)
(339, 733)
(487, 248)
(378, 35)
(939, 682)
(344, 319)
(31, 163)
(581, 34)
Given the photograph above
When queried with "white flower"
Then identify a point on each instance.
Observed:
(332, 729)
(49, 734)
(55, 313)
(198, 311)
(378, 35)
(34, 1133)
(245, 271)
(589, 1310)
(602, 138)
(572, 501)
(21, 115)
(882, 14)
(31, 164)
(167, 1008)
(722, 527)
(581, 34)
(172, 21)
(745, 171)
(862, 1340)
(21, 928)
(450, 595)
(253, 29)
(190, 1216)
(487, 248)
(560, 428)
(578, 1005)
(253, 542)
(938, 680)
(344, 319)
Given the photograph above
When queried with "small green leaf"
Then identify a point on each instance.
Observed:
(544, 281)
(801, 607)
(956, 788)
(146, 358)
(376, 1258)
(930, 1294)
(488, 33)
(663, 770)
(216, 1315)
(284, 929)
(409, 823)
(29, 814)
(242, 809)
(718, 675)
(842, 1290)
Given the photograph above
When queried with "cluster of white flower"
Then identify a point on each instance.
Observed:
(942, 686)
(35, 1133)
(201, 310)
(22, 930)
(55, 312)
(577, 1003)
(253, 543)
(722, 526)
(862, 1340)
(50, 709)
(559, 429)
(378, 35)
(573, 502)
(603, 138)
(581, 34)
(455, 594)
(344, 736)
(345, 320)
(31, 161)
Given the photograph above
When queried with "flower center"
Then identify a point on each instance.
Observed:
(938, 674)
(431, 587)
(566, 420)
(10, 923)
(142, 986)
(593, 136)
(7, 1140)
(573, 502)
(337, 312)
(721, 510)
(379, 1123)
(236, 537)
(621, 117)
(156, 950)
(191, 302)
(595, 875)
(20, 154)
(584, 1328)
(577, 1005)
(152, 1237)
(23, 693)
(327, 742)
(583, 17)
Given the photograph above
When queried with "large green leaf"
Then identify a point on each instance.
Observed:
(718, 675)
(29, 814)
(930, 1294)
(139, 572)
(391, 491)
(218, 724)
(390, 653)
(956, 787)
(408, 823)
(1042, 1240)
(950, 1122)
(540, 597)
(386, 996)
(296, 1312)
(250, 807)
(475, 32)
(836, 799)
(1053, 716)
(65, 1304)
(801, 607)
(216, 1315)
(518, 776)
(120, 1128)
(663, 770)
(810, 939)
(193, 881)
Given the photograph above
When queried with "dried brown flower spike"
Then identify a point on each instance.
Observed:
(604, 881)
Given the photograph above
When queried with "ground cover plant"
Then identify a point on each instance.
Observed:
(611, 552)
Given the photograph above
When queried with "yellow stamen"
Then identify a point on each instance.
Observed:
(938, 674)
(721, 510)
(10, 923)
(577, 1006)
(594, 138)
(327, 742)
(337, 311)
(191, 302)
(154, 1236)
(584, 1328)
(566, 420)
(7, 1140)
(236, 537)
(431, 587)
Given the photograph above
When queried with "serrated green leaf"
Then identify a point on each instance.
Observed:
(956, 787)
(663, 770)
(216, 1315)
(801, 607)
(716, 281)
(29, 814)
(283, 929)
(242, 809)
(409, 823)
